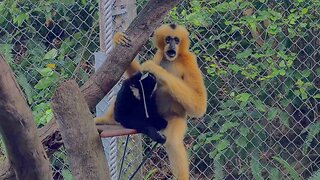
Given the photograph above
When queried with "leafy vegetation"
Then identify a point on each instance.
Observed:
(46, 42)
(263, 78)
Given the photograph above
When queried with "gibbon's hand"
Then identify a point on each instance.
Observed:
(121, 39)
(152, 67)
(155, 69)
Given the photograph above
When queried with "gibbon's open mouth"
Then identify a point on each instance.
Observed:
(171, 53)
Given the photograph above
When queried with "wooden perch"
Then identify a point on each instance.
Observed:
(18, 130)
(114, 130)
(79, 133)
(110, 72)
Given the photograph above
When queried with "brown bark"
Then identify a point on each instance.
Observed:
(110, 72)
(79, 133)
(18, 130)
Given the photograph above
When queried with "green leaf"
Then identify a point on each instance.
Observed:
(245, 54)
(45, 72)
(274, 174)
(315, 176)
(293, 173)
(282, 64)
(150, 174)
(214, 137)
(317, 96)
(23, 81)
(234, 68)
(244, 131)
(296, 92)
(284, 118)
(47, 81)
(228, 104)
(285, 102)
(242, 142)
(282, 72)
(67, 175)
(51, 54)
(228, 125)
(260, 105)
(218, 167)
(272, 113)
(304, 94)
(222, 145)
(306, 73)
(304, 11)
(313, 130)
(256, 168)
(243, 97)
(299, 82)
(20, 19)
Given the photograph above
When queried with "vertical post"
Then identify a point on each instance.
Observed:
(124, 13)
(106, 34)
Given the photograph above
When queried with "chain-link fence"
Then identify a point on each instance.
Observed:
(260, 60)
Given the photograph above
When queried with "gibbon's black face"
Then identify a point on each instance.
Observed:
(143, 83)
(171, 48)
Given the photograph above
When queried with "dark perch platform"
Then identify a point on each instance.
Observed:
(114, 130)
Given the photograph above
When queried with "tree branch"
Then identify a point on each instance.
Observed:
(79, 133)
(18, 130)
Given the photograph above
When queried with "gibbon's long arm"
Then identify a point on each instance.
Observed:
(189, 92)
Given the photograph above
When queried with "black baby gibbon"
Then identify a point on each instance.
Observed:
(135, 106)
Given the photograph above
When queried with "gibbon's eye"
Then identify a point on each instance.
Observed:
(177, 40)
(168, 39)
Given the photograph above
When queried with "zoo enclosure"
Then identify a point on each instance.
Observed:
(260, 60)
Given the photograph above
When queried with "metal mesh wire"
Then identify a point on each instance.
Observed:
(260, 60)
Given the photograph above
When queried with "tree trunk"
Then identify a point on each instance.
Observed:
(120, 57)
(18, 130)
(79, 133)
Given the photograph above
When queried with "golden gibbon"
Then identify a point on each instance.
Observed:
(181, 91)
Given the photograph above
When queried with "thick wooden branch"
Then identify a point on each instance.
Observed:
(79, 133)
(100, 83)
(18, 130)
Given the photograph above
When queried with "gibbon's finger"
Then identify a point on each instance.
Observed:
(126, 37)
(125, 41)
(121, 39)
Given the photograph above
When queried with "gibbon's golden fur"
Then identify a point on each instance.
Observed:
(181, 90)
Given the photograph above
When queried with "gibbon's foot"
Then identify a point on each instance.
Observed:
(122, 39)
(163, 139)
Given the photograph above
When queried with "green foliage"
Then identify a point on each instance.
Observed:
(256, 168)
(218, 167)
(150, 174)
(46, 42)
(315, 176)
(262, 72)
(313, 130)
(43, 47)
(292, 172)
(66, 173)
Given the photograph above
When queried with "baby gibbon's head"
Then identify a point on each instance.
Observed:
(172, 39)
(143, 83)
